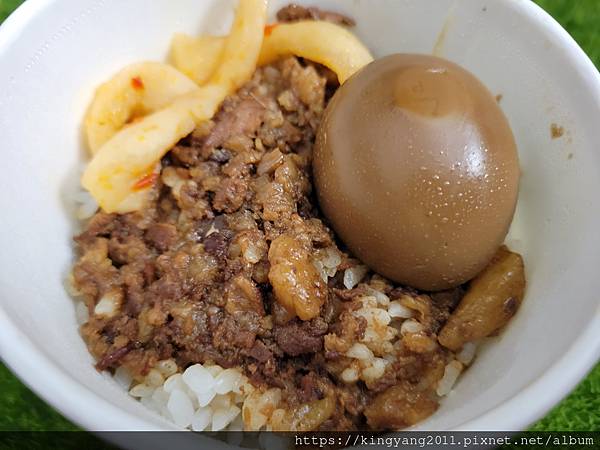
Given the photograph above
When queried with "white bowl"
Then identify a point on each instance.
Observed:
(54, 52)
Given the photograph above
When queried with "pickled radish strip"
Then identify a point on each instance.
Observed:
(113, 173)
(135, 91)
(326, 43)
(197, 57)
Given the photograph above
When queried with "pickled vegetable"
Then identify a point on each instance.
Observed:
(306, 417)
(493, 298)
(297, 284)
(398, 407)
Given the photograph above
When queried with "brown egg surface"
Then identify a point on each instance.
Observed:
(417, 170)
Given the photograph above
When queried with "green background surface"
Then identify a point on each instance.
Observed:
(20, 409)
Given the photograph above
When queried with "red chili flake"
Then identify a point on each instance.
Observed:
(137, 83)
(269, 29)
(145, 182)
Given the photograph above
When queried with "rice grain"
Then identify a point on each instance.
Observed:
(205, 398)
(123, 377)
(223, 417)
(180, 407)
(198, 379)
(360, 351)
(81, 313)
(202, 419)
(410, 326)
(398, 310)
(467, 353)
(141, 390)
(227, 381)
(451, 373)
(354, 275)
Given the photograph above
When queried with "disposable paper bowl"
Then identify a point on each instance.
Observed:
(53, 53)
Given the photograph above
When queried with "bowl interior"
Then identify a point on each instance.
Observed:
(54, 53)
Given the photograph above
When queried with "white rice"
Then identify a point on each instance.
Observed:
(410, 326)
(203, 397)
(198, 379)
(228, 381)
(154, 378)
(202, 419)
(375, 350)
(333, 258)
(451, 373)
(377, 332)
(222, 417)
(69, 284)
(354, 275)
(174, 382)
(327, 262)
(375, 370)
(167, 367)
(467, 353)
(180, 408)
(141, 390)
(360, 351)
(171, 178)
(252, 253)
(109, 304)
(123, 377)
(81, 313)
(398, 310)
(350, 375)
(85, 205)
(382, 299)
(387, 322)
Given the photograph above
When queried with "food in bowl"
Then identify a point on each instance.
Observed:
(416, 168)
(213, 287)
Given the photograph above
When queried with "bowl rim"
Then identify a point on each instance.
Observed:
(72, 399)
